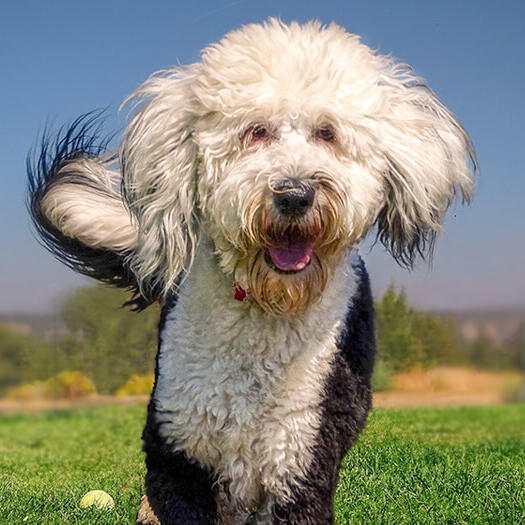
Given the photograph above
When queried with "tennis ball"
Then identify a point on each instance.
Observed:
(98, 499)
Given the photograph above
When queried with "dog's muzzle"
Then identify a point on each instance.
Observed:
(292, 251)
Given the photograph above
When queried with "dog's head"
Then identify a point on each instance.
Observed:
(285, 145)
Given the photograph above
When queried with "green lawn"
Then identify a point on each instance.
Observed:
(453, 465)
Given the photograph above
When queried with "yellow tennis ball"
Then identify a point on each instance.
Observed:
(98, 499)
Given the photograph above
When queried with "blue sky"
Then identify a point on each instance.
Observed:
(59, 59)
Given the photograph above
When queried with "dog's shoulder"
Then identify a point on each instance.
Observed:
(356, 340)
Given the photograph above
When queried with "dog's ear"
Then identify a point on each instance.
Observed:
(83, 202)
(76, 204)
(430, 161)
(159, 163)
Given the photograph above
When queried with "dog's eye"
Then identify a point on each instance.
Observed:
(256, 133)
(325, 133)
(260, 132)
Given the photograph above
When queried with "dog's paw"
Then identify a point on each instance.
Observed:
(146, 516)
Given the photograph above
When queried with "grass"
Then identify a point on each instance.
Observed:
(49, 461)
(450, 465)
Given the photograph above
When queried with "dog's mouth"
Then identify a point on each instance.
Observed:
(291, 252)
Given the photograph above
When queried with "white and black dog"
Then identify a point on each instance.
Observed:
(241, 188)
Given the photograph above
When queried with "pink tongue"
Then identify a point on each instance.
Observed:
(292, 254)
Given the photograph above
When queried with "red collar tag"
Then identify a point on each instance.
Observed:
(239, 294)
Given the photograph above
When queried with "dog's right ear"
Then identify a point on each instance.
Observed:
(158, 158)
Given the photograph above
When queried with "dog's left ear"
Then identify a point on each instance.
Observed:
(430, 161)
(158, 160)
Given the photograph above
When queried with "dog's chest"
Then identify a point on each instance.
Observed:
(239, 390)
(244, 403)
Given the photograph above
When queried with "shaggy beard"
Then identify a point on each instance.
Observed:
(288, 293)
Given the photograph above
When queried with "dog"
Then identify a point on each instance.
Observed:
(241, 189)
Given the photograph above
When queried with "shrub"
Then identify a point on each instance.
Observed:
(27, 391)
(69, 385)
(137, 385)
(66, 385)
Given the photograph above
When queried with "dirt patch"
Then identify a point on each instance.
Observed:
(455, 381)
(412, 399)
(444, 386)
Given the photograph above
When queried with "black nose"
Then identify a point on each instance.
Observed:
(293, 197)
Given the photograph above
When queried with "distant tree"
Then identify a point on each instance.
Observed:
(484, 353)
(407, 338)
(396, 342)
(22, 358)
(108, 342)
(439, 340)
(517, 347)
(14, 352)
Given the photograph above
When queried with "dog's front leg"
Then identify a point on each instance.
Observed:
(312, 504)
(178, 491)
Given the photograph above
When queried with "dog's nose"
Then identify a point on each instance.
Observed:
(293, 197)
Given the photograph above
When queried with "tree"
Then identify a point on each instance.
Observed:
(108, 342)
(439, 340)
(22, 358)
(396, 343)
(517, 347)
(407, 338)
